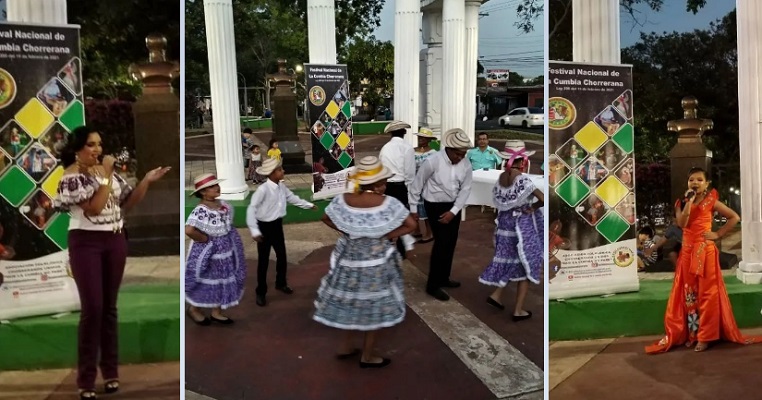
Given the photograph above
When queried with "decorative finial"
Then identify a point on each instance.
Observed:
(157, 74)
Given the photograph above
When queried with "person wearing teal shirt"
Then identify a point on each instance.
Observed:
(484, 156)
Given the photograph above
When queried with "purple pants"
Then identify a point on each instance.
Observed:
(97, 262)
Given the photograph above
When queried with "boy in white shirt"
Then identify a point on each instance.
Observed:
(264, 216)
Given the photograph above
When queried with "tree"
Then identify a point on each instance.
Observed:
(372, 61)
(709, 72)
(537, 80)
(515, 79)
(113, 37)
(266, 30)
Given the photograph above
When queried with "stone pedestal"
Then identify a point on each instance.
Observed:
(321, 31)
(595, 30)
(453, 85)
(471, 59)
(689, 152)
(153, 225)
(407, 22)
(749, 13)
(431, 68)
(52, 12)
(285, 122)
(223, 82)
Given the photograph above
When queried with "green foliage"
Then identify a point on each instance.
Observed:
(372, 60)
(113, 37)
(266, 30)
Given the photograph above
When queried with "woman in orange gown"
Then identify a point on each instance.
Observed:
(698, 310)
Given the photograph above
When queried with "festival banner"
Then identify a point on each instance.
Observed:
(591, 180)
(40, 103)
(330, 117)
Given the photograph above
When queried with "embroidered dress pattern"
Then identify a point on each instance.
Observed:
(73, 189)
(363, 289)
(215, 271)
(518, 237)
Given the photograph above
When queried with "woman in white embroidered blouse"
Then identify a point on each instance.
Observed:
(97, 199)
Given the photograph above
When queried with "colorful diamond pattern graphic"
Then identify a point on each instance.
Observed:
(74, 116)
(50, 185)
(326, 140)
(344, 159)
(343, 140)
(611, 191)
(346, 108)
(612, 227)
(16, 185)
(34, 118)
(572, 190)
(625, 138)
(58, 230)
(590, 137)
(332, 109)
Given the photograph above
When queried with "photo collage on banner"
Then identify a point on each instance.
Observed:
(330, 118)
(40, 103)
(591, 180)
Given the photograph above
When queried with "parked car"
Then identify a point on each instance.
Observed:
(525, 117)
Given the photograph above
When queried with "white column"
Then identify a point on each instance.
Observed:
(51, 12)
(430, 62)
(454, 32)
(407, 25)
(220, 43)
(472, 56)
(749, 41)
(595, 28)
(321, 31)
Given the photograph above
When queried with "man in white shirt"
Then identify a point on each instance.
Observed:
(443, 184)
(399, 157)
(264, 216)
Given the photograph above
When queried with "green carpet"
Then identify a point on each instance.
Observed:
(641, 313)
(294, 215)
(149, 331)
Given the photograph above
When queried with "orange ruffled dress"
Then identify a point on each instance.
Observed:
(699, 308)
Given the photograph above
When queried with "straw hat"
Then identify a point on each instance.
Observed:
(516, 149)
(395, 126)
(369, 170)
(426, 133)
(268, 166)
(457, 139)
(204, 181)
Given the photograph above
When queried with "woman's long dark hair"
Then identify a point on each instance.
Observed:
(75, 142)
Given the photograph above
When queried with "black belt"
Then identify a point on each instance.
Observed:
(395, 183)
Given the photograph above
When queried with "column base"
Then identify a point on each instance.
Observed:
(234, 193)
(749, 273)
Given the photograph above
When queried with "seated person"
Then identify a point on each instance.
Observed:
(646, 242)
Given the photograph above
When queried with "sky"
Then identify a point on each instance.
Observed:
(672, 17)
(499, 39)
(503, 46)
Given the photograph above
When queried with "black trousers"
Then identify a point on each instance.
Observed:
(445, 239)
(272, 238)
(398, 190)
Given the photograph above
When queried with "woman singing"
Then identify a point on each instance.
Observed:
(698, 310)
(97, 199)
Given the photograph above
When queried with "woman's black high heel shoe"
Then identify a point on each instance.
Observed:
(87, 394)
(111, 386)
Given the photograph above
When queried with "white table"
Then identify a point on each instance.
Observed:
(484, 181)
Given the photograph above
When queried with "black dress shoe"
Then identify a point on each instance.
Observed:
(452, 284)
(261, 301)
(438, 294)
(493, 303)
(517, 318)
(226, 321)
(285, 289)
(381, 364)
